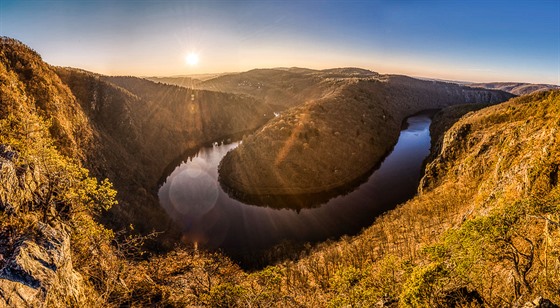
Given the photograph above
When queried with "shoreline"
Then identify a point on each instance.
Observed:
(300, 198)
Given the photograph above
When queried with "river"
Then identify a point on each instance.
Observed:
(193, 198)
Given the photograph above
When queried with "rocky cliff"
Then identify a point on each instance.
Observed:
(38, 272)
(474, 140)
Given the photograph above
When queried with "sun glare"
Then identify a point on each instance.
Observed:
(192, 59)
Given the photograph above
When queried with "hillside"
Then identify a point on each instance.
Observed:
(282, 87)
(148, 125)
(56, 121)
(47, 201)
(24, 74)
(330, 142)
(484, 230)
(517, 88)
(174, 117)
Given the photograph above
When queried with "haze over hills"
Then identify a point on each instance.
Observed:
(483, 230)
(280, 88)
(517, 88)
(244, 80)
(182, 81)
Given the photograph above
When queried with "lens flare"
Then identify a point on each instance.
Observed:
(193, 196)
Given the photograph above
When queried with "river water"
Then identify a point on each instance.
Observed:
(193, 198)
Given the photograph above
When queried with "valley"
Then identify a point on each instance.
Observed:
(83, 156)
(361, 118)
(207, 216)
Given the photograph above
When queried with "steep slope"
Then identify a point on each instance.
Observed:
(25, 75)
(53, 253)
(141, 126)
(517, 88)
(484, 232)
(443, 120)
(126, 136)
(328, 143)
(47, 201)
(174, 116)
(119, 149)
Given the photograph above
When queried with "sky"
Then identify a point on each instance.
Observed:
(486, 40)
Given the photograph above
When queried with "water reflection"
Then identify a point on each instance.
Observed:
(193, 191)
(192, 196)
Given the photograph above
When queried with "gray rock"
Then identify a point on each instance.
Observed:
(40, 265)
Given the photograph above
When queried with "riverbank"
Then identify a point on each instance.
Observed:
(212, 219)
(328, 143)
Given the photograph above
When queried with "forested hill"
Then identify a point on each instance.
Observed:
(141, 126)
(327, 143)
(484, 230)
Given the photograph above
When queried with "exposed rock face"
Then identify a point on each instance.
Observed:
(12, 179)
(38, 268)
(443, 120)
(36, 265)
(330, 142)
(475, 138)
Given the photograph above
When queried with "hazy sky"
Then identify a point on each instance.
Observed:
(461, 40)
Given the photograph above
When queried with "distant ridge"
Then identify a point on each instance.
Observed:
(517, 88)
(208, 81)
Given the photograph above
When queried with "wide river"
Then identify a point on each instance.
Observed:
(194, 199)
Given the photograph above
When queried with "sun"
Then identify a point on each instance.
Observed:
(192, 59)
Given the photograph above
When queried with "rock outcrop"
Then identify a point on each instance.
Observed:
(476, 135)
(35, 266)
(39, 268)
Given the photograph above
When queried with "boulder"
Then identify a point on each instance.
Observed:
(38, 265)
